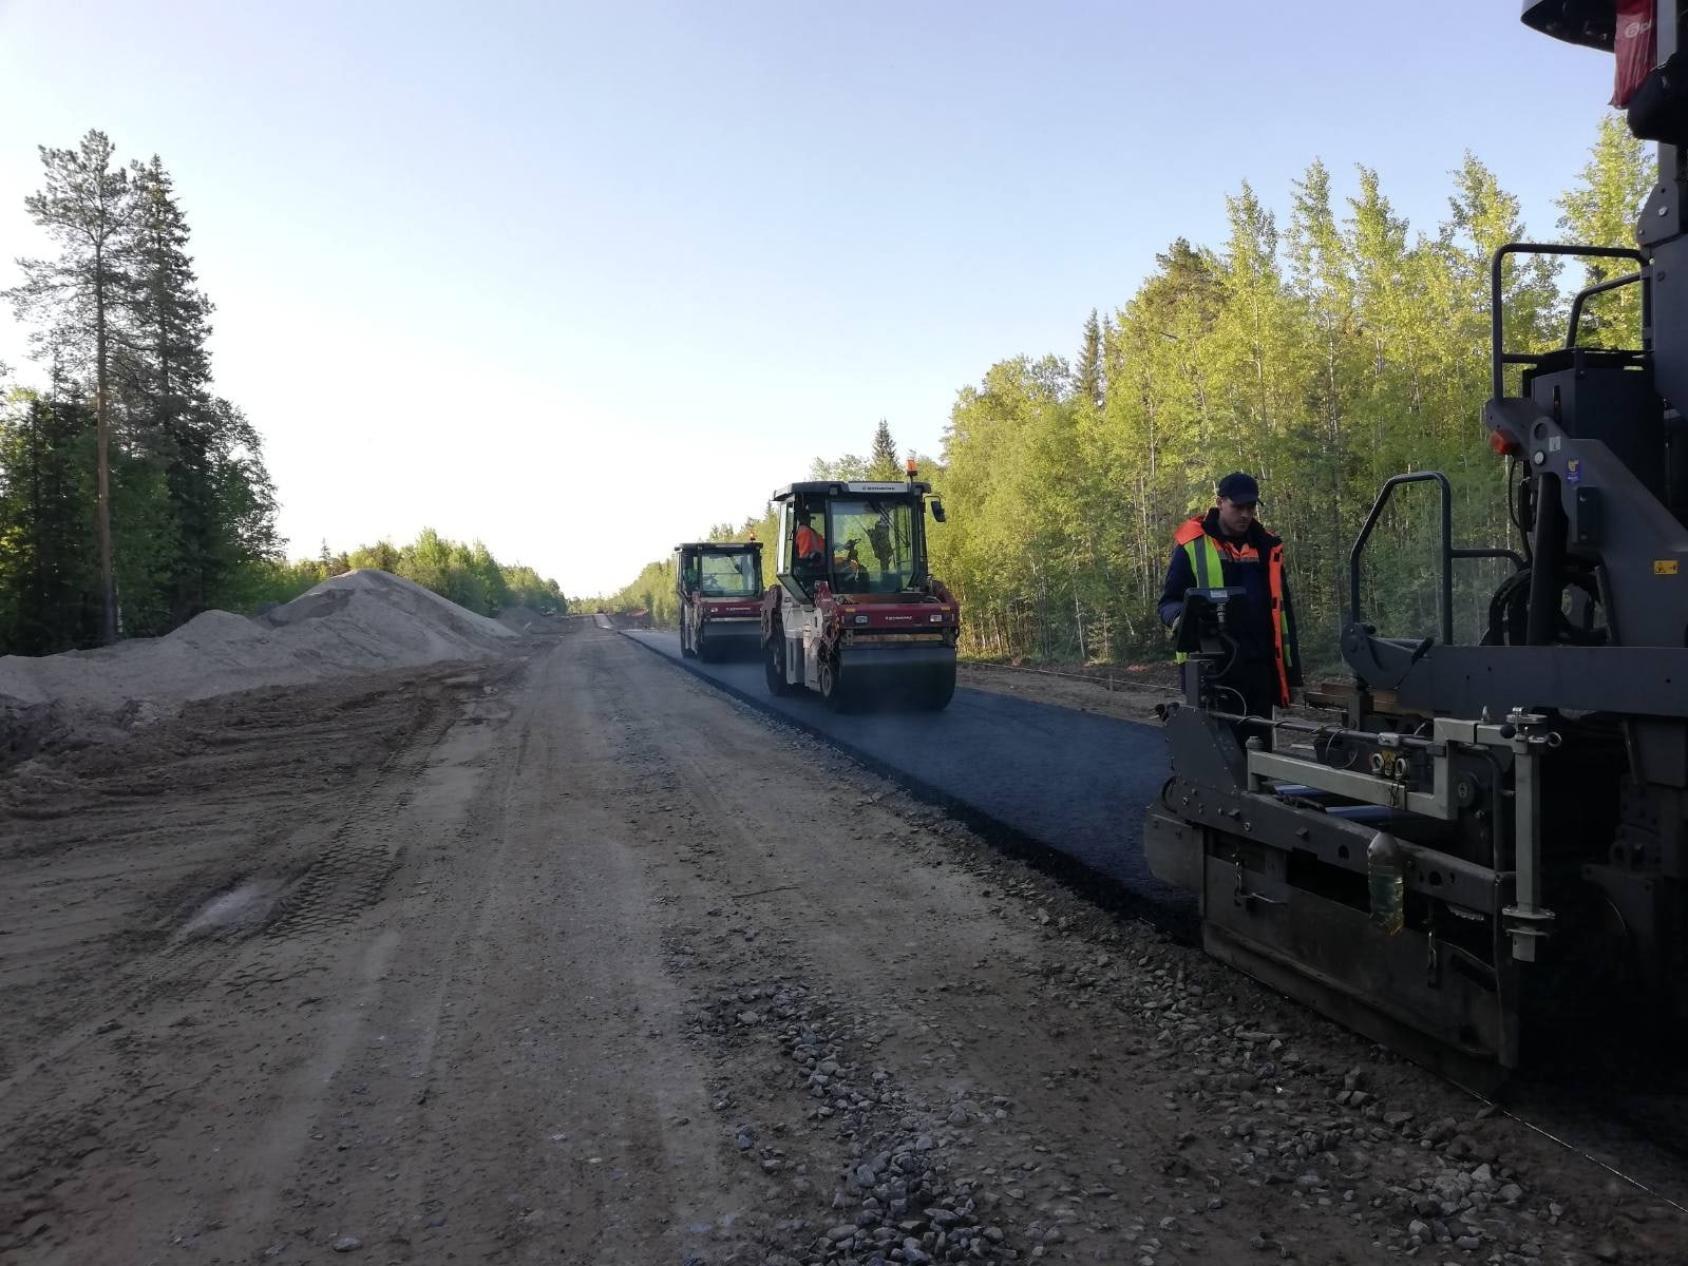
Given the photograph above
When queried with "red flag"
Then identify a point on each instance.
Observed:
(1634, 46)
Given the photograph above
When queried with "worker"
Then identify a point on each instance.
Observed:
(1227, 548)
(811, 545)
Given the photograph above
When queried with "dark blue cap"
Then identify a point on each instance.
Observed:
(1240, 488)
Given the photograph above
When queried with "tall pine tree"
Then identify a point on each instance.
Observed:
(882, 463)
(86, 206)
(166, 376)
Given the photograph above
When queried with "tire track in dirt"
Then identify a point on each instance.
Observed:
(495, 1117)
(94, 1071)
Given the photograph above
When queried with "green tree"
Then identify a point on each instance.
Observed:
(846, 467)
(49, 574)
(1601, 209)
(1090, 361)
(527, 588)
(165, 363)
(163, 375)
(1323, 357)
(82, 297)
(883, 462)
(382, 556)
(1320, 444)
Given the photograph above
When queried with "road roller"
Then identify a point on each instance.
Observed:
(854, 615)
(719, 587)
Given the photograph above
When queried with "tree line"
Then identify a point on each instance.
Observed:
(652, 590)
(1323, 351)
(132, 496)
(466, 573)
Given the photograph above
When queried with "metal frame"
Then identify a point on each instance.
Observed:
(1353, 784)
(1445, 589)
(1249, 855)
(1602, 287)
(1499, 357)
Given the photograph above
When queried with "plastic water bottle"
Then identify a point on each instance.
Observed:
(1387, 880)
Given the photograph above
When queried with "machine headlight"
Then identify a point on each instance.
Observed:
(861, 619)
(936, 617)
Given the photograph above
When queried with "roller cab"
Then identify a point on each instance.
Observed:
(719, 585)
(856, 616)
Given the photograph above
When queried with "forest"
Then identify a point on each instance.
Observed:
(132, 495)
(1323, 348)
(465, 572)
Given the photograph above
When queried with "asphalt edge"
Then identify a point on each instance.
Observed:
(1101, 890)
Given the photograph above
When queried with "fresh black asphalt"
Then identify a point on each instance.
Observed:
(1070, 781)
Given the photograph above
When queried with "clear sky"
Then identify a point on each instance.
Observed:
(582, 279)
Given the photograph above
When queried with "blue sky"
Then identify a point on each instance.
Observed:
(580, 280)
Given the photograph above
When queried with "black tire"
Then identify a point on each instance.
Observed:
(773, 663)
(939, 690)
(835, 689)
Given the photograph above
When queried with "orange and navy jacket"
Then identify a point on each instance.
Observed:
(809, 541)
(1204, 558)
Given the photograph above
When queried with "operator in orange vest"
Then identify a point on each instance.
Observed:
(811, 545)
(1227, 548)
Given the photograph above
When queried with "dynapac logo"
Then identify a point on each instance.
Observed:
(898, 619)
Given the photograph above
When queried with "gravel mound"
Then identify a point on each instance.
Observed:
(528, 620)
(363, 621)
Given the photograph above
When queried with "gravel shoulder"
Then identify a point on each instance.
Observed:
(571, 958)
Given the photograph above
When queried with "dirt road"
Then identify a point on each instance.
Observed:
(572, 959)
(1078, 785)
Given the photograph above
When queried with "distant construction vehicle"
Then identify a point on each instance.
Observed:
(856, 616)
(719, 586)
(1494, 834)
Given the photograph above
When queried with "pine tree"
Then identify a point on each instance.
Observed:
(1090, 362)
(168, 368)
(882, 462)
(166, 379)
(48, 572)
(87, 206)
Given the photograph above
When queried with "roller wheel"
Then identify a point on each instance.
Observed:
(834, 688)
(938, 690)
(773, 663)
(705, 651)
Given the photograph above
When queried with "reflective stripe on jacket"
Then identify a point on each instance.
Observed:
(1207, 552)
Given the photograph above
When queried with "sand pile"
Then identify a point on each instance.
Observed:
(363, 621)
(528, 620)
